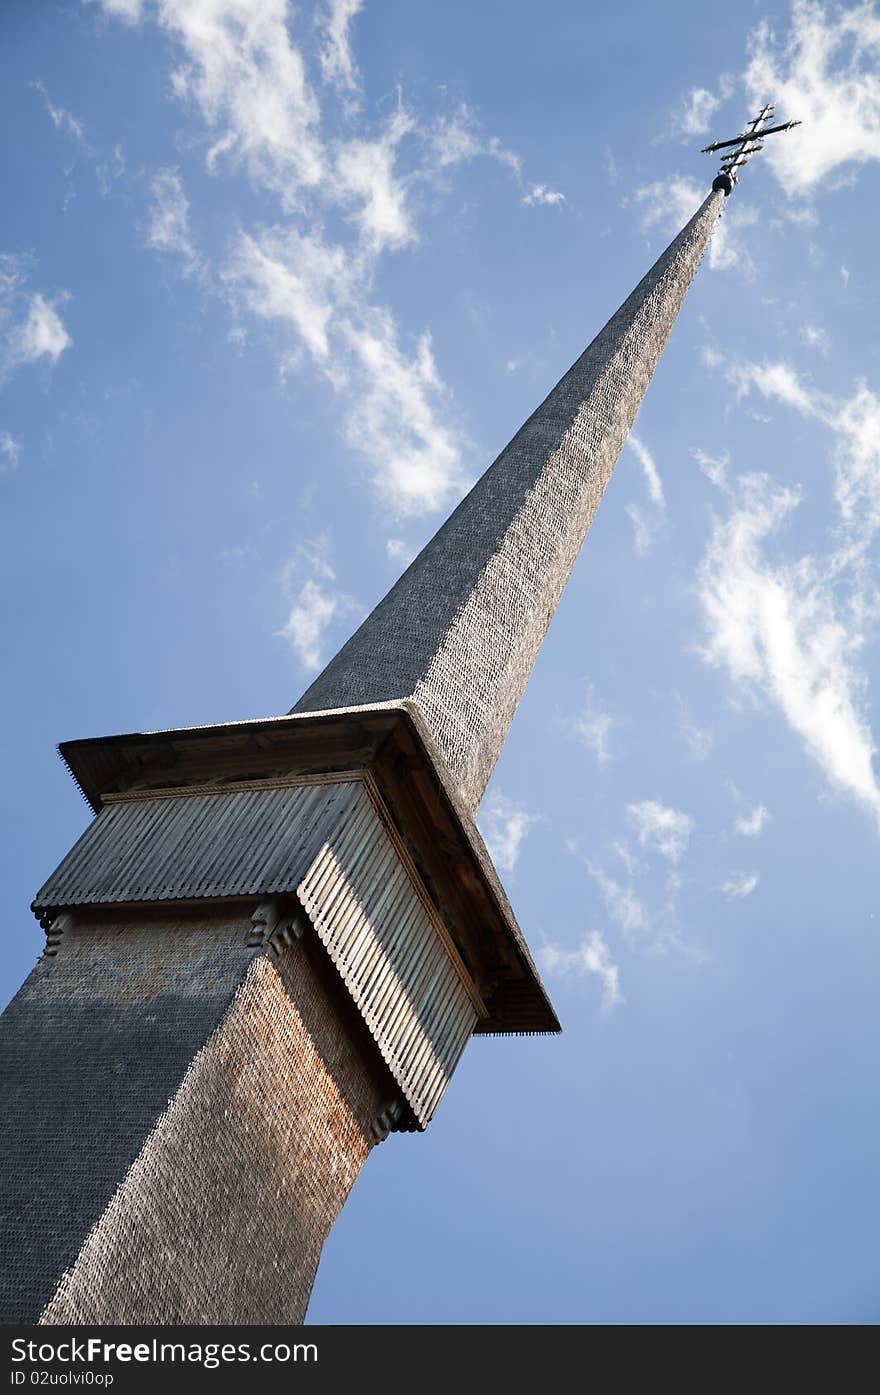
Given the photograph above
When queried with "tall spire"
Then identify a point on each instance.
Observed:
(272, 943)
(460, 631)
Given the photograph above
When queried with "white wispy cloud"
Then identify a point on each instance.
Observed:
(282, 274)
(397, 421)
(825, 72)
(700, 106)
(316, 602)
(621, 902)
(644, 903)
(592, 726)
(310, 615)
(130, 11)
(699, 740)
(670, 203)
(168, 229)
(399, 551)
(645, 523)
(630, 862)
(248, 80)
(108, 167)
(541, 194)
(42, 334)
(855, 426)
(739, 885)
(777, 626)
(803, 215)
(661, 828)
(108, 170)
(649, 917)
(714, 467)
(394, 398)
(753, 824)
(653, 482)
(337, 63)
(30, 326)
(644, 528)
(592, 956)
(816, 338)
(777, 380)
(367, 180)
(10, 450)
(458, 138)
(62, 119)
(504, 825)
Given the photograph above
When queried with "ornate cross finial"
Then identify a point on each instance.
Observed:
(744, 145)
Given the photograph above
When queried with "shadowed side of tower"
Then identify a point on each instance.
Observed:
(202, 1113)
(272, 943)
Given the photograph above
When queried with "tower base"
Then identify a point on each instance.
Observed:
(189, 1118)
(268, 949)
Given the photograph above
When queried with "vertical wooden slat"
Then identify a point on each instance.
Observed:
(370, 916)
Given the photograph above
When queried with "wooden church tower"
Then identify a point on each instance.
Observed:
(274, 940)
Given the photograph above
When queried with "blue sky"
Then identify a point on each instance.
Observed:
(277, 282)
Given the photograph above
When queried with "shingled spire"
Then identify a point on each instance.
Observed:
(459, 632)
(271, 945)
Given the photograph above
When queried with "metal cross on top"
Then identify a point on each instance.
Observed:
(742, 146)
